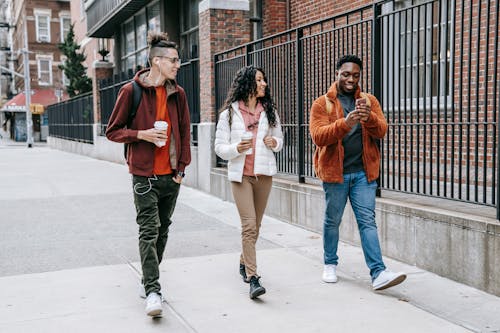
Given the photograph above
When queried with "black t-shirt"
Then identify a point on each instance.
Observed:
(353, 141)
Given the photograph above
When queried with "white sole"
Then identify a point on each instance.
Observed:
(155, 313)
(392, 283)
(329, 280)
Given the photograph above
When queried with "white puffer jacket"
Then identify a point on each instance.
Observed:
(226, 140)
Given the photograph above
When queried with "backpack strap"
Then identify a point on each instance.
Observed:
(136, 99)
(328, 105)
(365, 96)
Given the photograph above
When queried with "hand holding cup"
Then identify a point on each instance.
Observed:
(245, 144)
(161, 126)
(153, 135)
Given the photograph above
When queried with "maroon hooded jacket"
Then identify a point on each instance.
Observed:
(140, 157)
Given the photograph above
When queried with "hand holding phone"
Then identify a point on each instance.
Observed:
(363, 109)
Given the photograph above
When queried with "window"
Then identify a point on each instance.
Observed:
(129, 45)
(129, 37)
(42, 28)
(65, 25)
(154, 17)
(44, 70)
(134, 37)
(142, 59)
(141, 30)
(417, 55)
(42, 21)
(189, 29)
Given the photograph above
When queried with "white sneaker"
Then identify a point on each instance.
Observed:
(387, 279)
(330, 274)
(153, 305)
(142, 291)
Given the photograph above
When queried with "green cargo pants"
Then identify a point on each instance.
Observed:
(154, 199)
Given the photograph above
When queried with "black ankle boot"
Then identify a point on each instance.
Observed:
(243, 273)
(255, 288)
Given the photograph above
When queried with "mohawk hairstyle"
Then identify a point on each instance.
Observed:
(155, 37)
(156, 41)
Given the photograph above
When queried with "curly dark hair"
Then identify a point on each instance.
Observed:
(243, 87)
(349, 58)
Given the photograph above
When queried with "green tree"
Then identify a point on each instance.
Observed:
(76, 73)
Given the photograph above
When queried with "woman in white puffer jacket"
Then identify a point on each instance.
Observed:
(249, 108)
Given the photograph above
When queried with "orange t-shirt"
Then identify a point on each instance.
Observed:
(162, 157)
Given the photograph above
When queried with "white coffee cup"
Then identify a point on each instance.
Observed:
(247, 136)
(163, 126)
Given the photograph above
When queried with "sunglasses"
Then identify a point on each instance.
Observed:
(172, 60)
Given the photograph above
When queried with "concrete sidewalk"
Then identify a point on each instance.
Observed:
(200, 279)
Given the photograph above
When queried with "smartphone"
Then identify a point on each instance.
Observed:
(361, 101)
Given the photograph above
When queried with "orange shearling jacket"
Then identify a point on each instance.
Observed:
(328, 129)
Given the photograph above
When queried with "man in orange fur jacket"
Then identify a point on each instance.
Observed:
(345, 125)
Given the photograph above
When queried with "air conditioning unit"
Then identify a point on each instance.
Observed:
(43, 38)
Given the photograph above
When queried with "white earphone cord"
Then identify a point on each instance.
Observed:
(149, 186)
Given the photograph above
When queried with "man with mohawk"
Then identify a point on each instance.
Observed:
(151, 116)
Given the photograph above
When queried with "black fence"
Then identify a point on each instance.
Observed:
(72, 119)
(432, 65)
(108, 91)
(188, 78)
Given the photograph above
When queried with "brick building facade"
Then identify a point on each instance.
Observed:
(47, 21)
(38, 26)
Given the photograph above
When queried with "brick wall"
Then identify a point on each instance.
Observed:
(307, 11)
(219, 30)
(302, 12)
(274, 17)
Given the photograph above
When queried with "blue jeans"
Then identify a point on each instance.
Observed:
(361, 194)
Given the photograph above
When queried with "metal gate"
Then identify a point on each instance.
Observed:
(433, 66)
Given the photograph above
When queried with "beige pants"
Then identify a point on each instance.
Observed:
(251, 199)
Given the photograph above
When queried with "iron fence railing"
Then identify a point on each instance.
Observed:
(440, 68)
(72, 119)
(189, 78)
(108, 91)
(432, 64)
